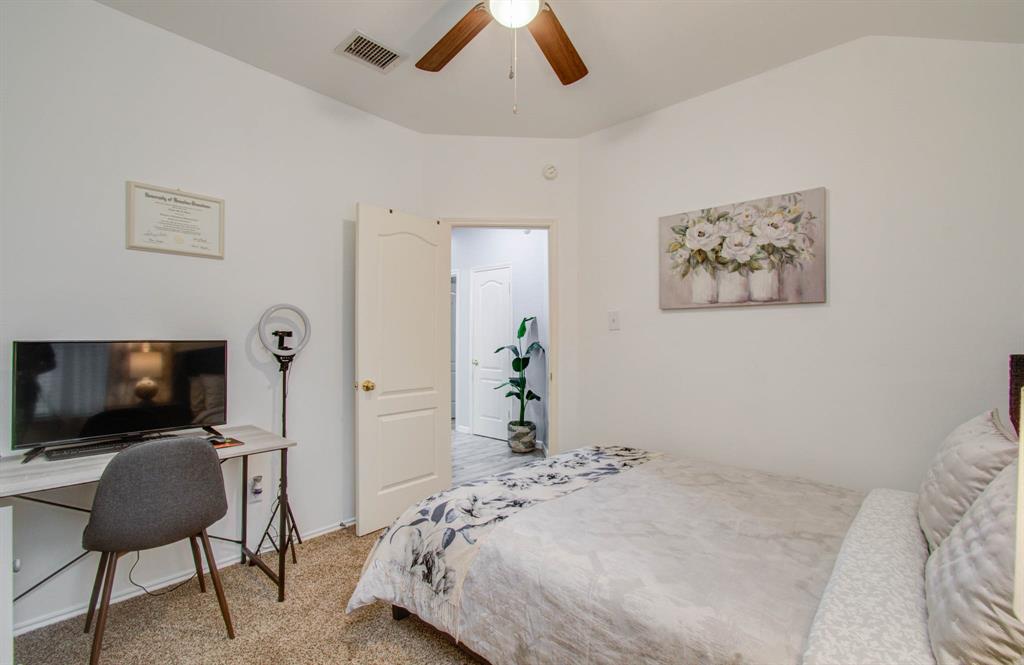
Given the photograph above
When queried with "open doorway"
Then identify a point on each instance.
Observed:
(500, 276)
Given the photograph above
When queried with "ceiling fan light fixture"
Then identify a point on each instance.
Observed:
(513, 13)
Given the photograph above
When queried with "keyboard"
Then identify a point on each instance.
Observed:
(102, 448)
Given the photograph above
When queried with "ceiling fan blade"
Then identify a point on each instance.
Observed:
(468, 27)
(556, 46)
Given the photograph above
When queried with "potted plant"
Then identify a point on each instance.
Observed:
(522, 434)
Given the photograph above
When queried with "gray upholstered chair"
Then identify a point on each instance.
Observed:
(150, 495)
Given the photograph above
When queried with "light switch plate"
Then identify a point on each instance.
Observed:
(613, 320)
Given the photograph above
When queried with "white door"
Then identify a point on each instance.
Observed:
(454, 304)
(403, 443)
(491, 328)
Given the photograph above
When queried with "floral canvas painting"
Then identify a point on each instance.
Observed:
(761, 252)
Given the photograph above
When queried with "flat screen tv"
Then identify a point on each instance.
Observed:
(70, 392)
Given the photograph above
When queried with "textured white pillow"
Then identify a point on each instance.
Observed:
(967, 461)
(969, 582)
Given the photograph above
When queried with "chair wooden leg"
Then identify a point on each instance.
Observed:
(217, 586)
(101, 620)
(199, 563)
(100, 570)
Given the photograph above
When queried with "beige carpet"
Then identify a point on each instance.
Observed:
(311, 626)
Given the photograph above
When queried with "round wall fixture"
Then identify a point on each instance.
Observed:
(550, 172)
(284, 330)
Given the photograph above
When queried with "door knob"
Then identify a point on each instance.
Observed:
(475, 361)
(368, 385)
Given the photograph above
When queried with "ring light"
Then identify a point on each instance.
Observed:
(275, 339)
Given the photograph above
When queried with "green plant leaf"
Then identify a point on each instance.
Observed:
(516, 382)
(520, 364)
(511, 347)
(534, 346)
(530, 395)
(522, 327)
(679, 230)
(513, 394)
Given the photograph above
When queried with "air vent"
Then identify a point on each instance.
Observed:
(368, 51)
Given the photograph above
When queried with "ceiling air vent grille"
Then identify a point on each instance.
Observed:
(368, 51)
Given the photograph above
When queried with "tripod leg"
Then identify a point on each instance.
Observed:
(266, 533)
(295, 529)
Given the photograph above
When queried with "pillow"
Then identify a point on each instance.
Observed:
(967, 461)
(969, 582)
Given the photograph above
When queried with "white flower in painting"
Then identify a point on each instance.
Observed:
(702, 236)
(746, 216)
(803, 243)
(726, 227)
(739, 246)
(774, 230)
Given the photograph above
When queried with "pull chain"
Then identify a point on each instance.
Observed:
(513, 66)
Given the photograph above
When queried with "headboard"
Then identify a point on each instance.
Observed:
(1016, 383)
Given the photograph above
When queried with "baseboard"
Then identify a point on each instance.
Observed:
(160, 583)
(462, 429)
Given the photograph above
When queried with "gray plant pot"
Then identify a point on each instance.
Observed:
(522, 437)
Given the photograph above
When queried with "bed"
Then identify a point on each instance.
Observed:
(620, 555)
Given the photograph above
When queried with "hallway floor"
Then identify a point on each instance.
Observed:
(474, 457)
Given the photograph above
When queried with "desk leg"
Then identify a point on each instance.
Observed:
(245, 503)
(282, 533)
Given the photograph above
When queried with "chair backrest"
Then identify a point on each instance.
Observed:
(154, 494)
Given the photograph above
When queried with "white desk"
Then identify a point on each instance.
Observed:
(18, 480)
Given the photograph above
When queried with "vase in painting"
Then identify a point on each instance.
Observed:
(733, 287)
(764, 285)
(704, 287)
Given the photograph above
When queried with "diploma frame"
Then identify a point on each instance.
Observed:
(132, 233)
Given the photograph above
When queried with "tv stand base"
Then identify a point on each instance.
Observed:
(32, 454)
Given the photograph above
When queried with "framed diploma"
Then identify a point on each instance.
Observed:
(173, 221)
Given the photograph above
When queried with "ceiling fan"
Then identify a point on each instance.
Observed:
(538, 18)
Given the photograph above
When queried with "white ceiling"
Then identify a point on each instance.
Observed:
(642, 54)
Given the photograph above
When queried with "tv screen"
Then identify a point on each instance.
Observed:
(66, 392)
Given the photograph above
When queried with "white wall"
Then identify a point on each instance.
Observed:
(919, 144)
(92, 98)
(526, 254)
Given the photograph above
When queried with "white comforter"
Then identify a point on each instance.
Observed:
(673, 561)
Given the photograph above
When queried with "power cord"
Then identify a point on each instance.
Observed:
(138, 557)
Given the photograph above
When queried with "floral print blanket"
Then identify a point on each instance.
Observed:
(421, 561)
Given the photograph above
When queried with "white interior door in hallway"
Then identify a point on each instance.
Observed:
(491, 326)
(403, 342)
(454, 305)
